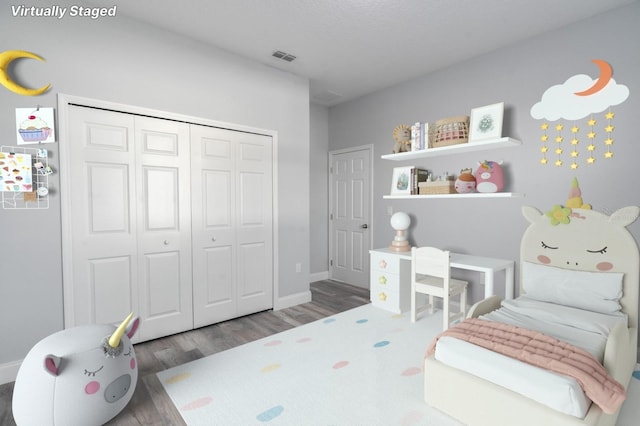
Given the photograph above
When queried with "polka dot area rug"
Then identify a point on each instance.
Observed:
(360, 367)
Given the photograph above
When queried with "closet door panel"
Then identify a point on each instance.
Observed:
(101, 286)
(213, 224)
(254, 231)
(164, 228)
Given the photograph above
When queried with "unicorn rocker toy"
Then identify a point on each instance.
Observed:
(77, 376)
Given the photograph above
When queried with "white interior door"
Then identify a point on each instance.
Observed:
(350, 215)
(101, 185)
(164, 226)
(129, 188)
(232, 223)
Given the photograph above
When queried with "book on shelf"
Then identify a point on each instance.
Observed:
(418, 175)
(420, 135)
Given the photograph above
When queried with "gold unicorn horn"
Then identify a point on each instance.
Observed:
(114, 340)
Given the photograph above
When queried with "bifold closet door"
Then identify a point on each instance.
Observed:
(232, 230)
(129, 218)
(164, 226)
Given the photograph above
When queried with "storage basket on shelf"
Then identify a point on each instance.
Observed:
(450, 131)
(437, 187)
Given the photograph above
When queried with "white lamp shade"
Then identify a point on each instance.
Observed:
(400, 221)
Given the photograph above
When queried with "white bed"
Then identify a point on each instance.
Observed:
(593, 253)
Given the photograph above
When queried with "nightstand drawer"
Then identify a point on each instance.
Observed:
(385, 262)
(385, 279)
(385, 299)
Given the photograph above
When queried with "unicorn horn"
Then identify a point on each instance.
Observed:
(114, 340)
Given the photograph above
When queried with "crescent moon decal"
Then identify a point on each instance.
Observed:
(605, 76)
(6, 58)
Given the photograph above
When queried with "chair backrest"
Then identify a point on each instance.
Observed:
(431, 261)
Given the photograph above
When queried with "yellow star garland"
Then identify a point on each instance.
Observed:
(544, 138)
(609, 129)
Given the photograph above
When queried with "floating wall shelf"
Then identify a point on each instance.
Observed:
(471, 195)
(454, 149)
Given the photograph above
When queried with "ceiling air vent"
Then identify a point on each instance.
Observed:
(283, 56)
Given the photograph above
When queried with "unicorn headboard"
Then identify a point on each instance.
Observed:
(580, 239)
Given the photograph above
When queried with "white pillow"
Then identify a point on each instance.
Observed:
(592, 291)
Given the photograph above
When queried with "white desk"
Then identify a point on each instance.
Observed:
(390, 279)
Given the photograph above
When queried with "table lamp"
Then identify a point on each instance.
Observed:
(400, 221)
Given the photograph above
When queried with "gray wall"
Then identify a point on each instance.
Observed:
(517, 75)
(319, 191)
(118, 60)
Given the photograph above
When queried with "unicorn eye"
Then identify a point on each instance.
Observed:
(601, 251)
(128, 353)
(548, 247)
(92, 373)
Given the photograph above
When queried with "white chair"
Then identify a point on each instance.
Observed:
(431, 275)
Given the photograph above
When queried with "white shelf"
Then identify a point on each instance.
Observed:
(453, 149)
(471, 195)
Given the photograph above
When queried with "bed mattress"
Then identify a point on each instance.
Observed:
(587, 330)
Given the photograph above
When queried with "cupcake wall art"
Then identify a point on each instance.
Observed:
(35, 126)
(15, 172)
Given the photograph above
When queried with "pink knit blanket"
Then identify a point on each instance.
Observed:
(542, 351)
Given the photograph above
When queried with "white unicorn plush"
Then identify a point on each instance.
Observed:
(81, 376)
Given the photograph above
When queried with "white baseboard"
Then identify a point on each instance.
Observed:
(291, 300)
(318, 276)
(9, 371)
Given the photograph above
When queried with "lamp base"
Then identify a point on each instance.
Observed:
(400, 246)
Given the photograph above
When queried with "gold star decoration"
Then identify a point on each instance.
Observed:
(591, 134)
(382, 296)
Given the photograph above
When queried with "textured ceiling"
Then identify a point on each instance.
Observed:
(348, 48)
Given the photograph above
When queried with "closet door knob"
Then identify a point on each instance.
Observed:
(166, 242)
(213, 239)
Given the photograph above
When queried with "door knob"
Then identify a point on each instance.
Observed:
(365, 226)
(166, 242)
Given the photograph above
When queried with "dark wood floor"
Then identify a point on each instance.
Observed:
(150, 404)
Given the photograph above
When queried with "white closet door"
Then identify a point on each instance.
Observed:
(101, 181)
(232, 223)
(164, 228)
(130, 217)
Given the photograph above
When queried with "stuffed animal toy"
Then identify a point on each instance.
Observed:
(466, 182)
(402, 136)
(80, 376)
(489, 176)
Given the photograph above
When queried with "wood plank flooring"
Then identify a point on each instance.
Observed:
(150, 404)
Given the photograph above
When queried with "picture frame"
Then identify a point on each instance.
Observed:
(401, 180)
(486, 122)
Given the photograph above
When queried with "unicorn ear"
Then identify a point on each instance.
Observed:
(625, 216)
(531, 213)
(52, 364)
(133, 327)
